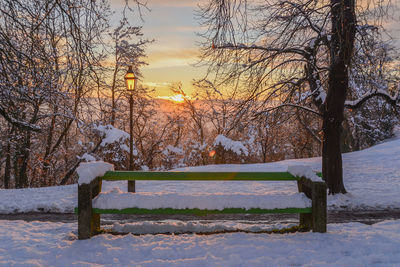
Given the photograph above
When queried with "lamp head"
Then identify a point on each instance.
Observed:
(130, 80)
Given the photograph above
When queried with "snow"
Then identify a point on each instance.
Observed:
(56, 244)
(384, 92)
(303, 171)
(312, 43)
(181, 227)
(371, 177)
(87, 157)
(116, 199)
(321, 95)
(60, 199)
(228, 144)
(112, 135)
(320, 90)
(171, 149)
(24, 124)
(87, 171)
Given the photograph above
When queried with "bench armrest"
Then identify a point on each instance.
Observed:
(316, 191)
(88, 222)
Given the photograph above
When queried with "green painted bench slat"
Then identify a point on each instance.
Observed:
(201, 212)
(199, 176)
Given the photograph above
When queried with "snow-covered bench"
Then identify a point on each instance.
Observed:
(310, 202)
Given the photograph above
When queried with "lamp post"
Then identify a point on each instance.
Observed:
(130, 83)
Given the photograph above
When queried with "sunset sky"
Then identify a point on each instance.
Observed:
(172, 24)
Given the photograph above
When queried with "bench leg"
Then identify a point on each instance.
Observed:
(131, 186)
(84, 211)
(88, 222)
(319, 213)
(95, 220)
(306, 221)
(95, 223)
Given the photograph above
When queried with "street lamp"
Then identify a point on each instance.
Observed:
(130, 83)
(130, 80)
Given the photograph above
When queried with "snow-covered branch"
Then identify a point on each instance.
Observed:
(257, 47)
(19, 124)
(393, 100)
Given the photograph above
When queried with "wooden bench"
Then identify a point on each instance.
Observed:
(313, 217)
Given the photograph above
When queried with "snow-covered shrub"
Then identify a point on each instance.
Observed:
(87, 157)
(172, 157)
(195, 153)
(229, 151)
(375, 70)
(114, 146)
(368, 125)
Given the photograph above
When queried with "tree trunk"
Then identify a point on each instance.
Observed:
(113, 87)
(113, 105)
(47, 158)
(16, 165)
(26, 151)
(7, 171)
(342, 43)
(332, 156)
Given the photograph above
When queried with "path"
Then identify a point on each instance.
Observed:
(363, 216)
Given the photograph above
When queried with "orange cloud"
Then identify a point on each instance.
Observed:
(172, 57)
(157, 84)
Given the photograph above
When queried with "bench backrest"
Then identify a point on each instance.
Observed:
(199, 176)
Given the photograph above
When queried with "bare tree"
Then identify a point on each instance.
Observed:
(127, 48)
(196, 143)
(50, 50)
(290, 53)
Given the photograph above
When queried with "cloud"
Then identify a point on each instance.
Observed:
(157, 84)
(172, 57)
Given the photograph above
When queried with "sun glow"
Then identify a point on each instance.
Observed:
(179, 98)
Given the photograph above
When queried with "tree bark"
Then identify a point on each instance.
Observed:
(342, 44)
(26, 151)
(16, 164)
(7, 171)
(47, 158)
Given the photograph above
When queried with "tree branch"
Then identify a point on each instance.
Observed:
(290, 105)
(19, 124)
(393, 100)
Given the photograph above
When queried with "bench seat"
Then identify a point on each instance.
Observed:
(116, 201)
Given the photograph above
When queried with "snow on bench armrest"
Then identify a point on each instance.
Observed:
(119, 200)
(87, 171)
(303, 170)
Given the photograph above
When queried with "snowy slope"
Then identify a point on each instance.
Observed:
(371, 176)
(46, 199)
(55, 244)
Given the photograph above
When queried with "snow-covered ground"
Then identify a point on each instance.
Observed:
(55, 244)
(371, 176)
